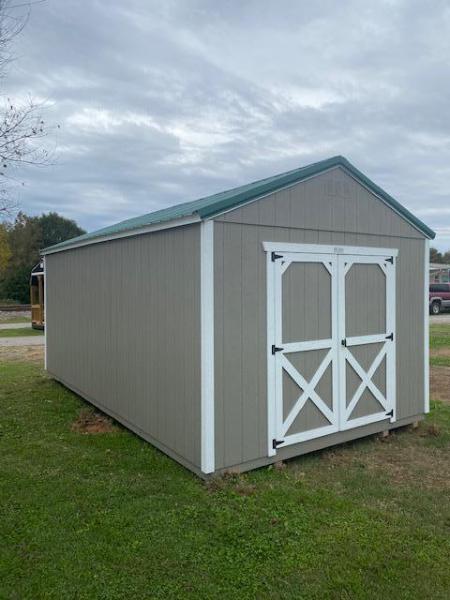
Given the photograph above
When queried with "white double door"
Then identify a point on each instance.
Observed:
(331, 340)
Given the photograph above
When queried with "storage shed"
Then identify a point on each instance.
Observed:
(251, 326)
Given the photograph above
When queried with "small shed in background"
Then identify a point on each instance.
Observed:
(37, 298)
(254, 325)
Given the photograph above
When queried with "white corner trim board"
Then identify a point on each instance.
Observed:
(207, 345)
(426, 327)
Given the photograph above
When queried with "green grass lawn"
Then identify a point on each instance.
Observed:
(440, 361)
(439, 336)
(108, 516)
(20, 332)
(440, 345)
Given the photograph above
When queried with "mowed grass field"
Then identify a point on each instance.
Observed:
(88, 510)
(20, 332)
(440, 345)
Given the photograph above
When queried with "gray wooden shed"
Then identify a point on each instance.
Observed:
(254, 325)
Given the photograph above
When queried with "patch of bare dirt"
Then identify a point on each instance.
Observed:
(89, 422)
(403, 463)
(440, 383)
(444, 351)
(233, 482)
(22, 353)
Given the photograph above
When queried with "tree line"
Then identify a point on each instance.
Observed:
(439, 257)
(20, 243)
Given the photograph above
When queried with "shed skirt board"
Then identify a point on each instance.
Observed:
(331, 363)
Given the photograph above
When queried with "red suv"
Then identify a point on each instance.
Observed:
(439, 297)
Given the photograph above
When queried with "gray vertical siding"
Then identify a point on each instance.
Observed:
(365, 300)
(123, 329)
(329, 209)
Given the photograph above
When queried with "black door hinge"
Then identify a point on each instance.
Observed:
(275, 256)
(276, 443)
(390, 413)
(390, 337)
(276, 349)
(390, 259)
(344, 342)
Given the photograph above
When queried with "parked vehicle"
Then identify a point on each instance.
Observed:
(439, 297)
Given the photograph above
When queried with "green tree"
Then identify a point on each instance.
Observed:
(56, 229)
(5, 250)
(435, 255)
(26, 237)
(439, 257)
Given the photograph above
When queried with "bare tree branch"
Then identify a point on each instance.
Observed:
(22, 126)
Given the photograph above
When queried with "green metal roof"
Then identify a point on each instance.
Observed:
(211, 206)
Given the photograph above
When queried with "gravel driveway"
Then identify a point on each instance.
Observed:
(15, 325)
(37, 340)
(440, 319)
(5, 315)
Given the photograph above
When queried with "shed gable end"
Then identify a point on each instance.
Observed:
(330, 201)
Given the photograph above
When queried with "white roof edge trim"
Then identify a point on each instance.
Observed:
(128, 233)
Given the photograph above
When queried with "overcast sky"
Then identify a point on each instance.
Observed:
(163, 102)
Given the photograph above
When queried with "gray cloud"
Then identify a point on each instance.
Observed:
(162, 102)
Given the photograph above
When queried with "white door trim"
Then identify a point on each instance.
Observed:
(271, 370)
(207, 345)
(278, 426)
(331, 257)
(328, 249)
(387, 403)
